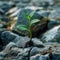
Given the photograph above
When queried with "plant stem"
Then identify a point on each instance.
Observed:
(30, 33)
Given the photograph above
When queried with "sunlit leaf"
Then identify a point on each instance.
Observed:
(34, 21)
(22, 27)
(28, 17)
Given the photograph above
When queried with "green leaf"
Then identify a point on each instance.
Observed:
(34, 21)
(31, 14)
(28, 17)
(22, 27)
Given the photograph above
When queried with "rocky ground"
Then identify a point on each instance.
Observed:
(46, 33)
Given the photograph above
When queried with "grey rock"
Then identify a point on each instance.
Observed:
(44, 13)
(40, 57)
(1, 11)
(6, 5)
(44, 57)
(22, 58)
(35, 51)
(1, 25)
(36, 57)
(52, 23)
(11, 51)
(14, 13)
(2, 55)
(8, 36)
(23, 1)
(56, 7)
(8, 47)
(23, 40)
(52, 35)
(22, 5)
(56, 56)
(20, 42)
(38, 43)
(42, 2)
(1, 43)
(23, 55)
(55, 14)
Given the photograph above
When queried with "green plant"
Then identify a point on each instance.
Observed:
(30, 23)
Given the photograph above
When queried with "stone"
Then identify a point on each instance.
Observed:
(8, 47)
(2, 55)
(10, 51)
(22, 5)
(6, 5)
(56, 7)
(42, 2)
(53, 35)
(1, 43)
(35, 57)
(1, 11)
(23, 1)
(12, 10)
(40, 57)
(35, 50)
(56, 56)
(23, 40)
(1, 25)
(23, 55)
(13, 14)
(44, 57)
(20, 42)
(37, 42)
(52, 23)
(54, 14)
(8, 36)
(43, 13)
(5, 19)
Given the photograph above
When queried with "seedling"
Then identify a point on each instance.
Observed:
(30, 23)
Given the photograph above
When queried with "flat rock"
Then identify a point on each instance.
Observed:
(52, 35)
